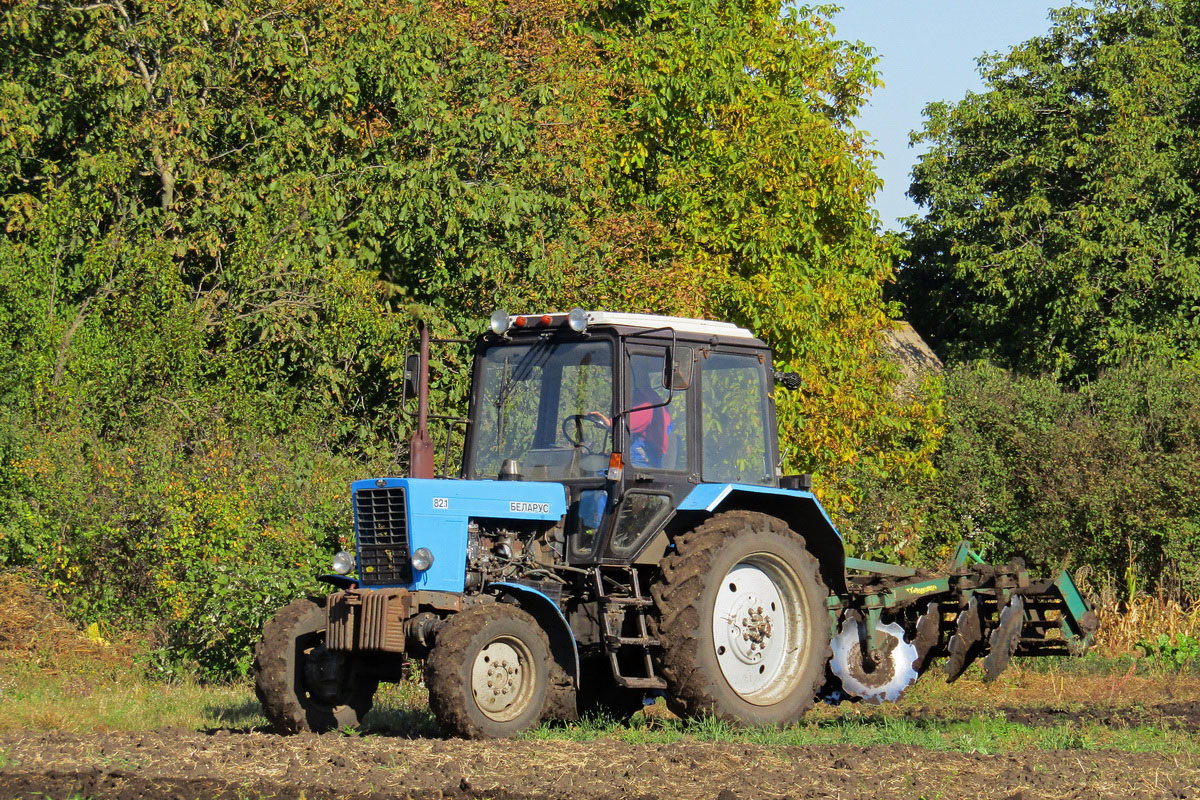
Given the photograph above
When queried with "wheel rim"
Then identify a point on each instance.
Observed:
(325, 676)
(502, 680)
(759, 625)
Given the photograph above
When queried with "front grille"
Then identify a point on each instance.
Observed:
(382, 536)
(370, 619)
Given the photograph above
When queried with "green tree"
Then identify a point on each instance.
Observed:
(743, 148)
(1060, 225)
(221, 220)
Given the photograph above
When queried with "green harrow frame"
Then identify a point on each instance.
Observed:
(893, 621)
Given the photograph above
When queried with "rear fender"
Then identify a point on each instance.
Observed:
(800, 510)
(548, 615)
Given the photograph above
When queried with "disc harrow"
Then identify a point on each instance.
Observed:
(894, 621)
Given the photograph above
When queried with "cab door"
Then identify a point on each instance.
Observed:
(657, 446)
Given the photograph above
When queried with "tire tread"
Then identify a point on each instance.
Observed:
(448, 697)
(281, 705)
(677, 622)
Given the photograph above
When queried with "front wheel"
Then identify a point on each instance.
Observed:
(489, 672)
(742, 621)
(301, 684)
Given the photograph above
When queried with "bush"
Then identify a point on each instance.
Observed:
(1170, 652)
(197, 531)
(1105, 474)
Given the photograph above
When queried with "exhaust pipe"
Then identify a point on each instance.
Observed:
(420, 447)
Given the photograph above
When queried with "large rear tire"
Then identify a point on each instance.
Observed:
(303, 686)
(490, 673)
(742, 621)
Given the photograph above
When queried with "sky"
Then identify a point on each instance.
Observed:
(927, 52)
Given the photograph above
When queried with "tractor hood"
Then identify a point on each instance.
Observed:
(457, 498)
(394, 517)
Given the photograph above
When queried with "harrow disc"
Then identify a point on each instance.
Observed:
(875, 676)
(964, 644)
(927, 635)
(1004, 639)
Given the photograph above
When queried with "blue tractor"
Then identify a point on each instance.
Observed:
(620, 528)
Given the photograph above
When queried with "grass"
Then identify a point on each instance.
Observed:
(38, 699)
(986, 734)
(55, 677)
(968, 716)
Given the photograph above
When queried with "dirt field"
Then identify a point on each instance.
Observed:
(226, 763)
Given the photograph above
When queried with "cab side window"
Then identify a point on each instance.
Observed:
(657, 433)
(733, 401)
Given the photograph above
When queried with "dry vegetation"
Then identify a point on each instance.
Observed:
(1124, 624)
(36, 632)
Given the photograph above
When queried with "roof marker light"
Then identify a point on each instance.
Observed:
(546, 319)
(499, 321)
(577, 320)
(520, 322)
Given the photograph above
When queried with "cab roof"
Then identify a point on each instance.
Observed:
(702, 327)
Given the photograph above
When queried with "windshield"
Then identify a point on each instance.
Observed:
(549, 405)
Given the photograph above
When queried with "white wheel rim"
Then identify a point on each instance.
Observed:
(502, 678)
(759, 623)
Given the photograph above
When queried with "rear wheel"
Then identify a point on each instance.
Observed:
(489, 672)
(742, 621)
(302, 685)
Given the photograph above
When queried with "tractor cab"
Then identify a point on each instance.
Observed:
(629, 412)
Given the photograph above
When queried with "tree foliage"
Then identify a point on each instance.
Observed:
(1060, 228)
(743, 147)
(1103, 475)
(221, 220)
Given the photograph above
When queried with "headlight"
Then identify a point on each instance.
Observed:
(577, 320)
(422, 559)
(343, 563)
(499, 322)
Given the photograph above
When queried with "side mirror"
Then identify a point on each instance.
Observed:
(677, 376)
(789, 380)
(412, 372)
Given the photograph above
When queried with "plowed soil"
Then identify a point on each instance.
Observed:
(254, 764)
(1184, 716)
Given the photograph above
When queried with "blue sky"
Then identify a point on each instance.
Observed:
(927, 51)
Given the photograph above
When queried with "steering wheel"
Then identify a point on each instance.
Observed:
(576, 439)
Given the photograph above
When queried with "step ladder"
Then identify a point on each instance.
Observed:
(615, 611)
